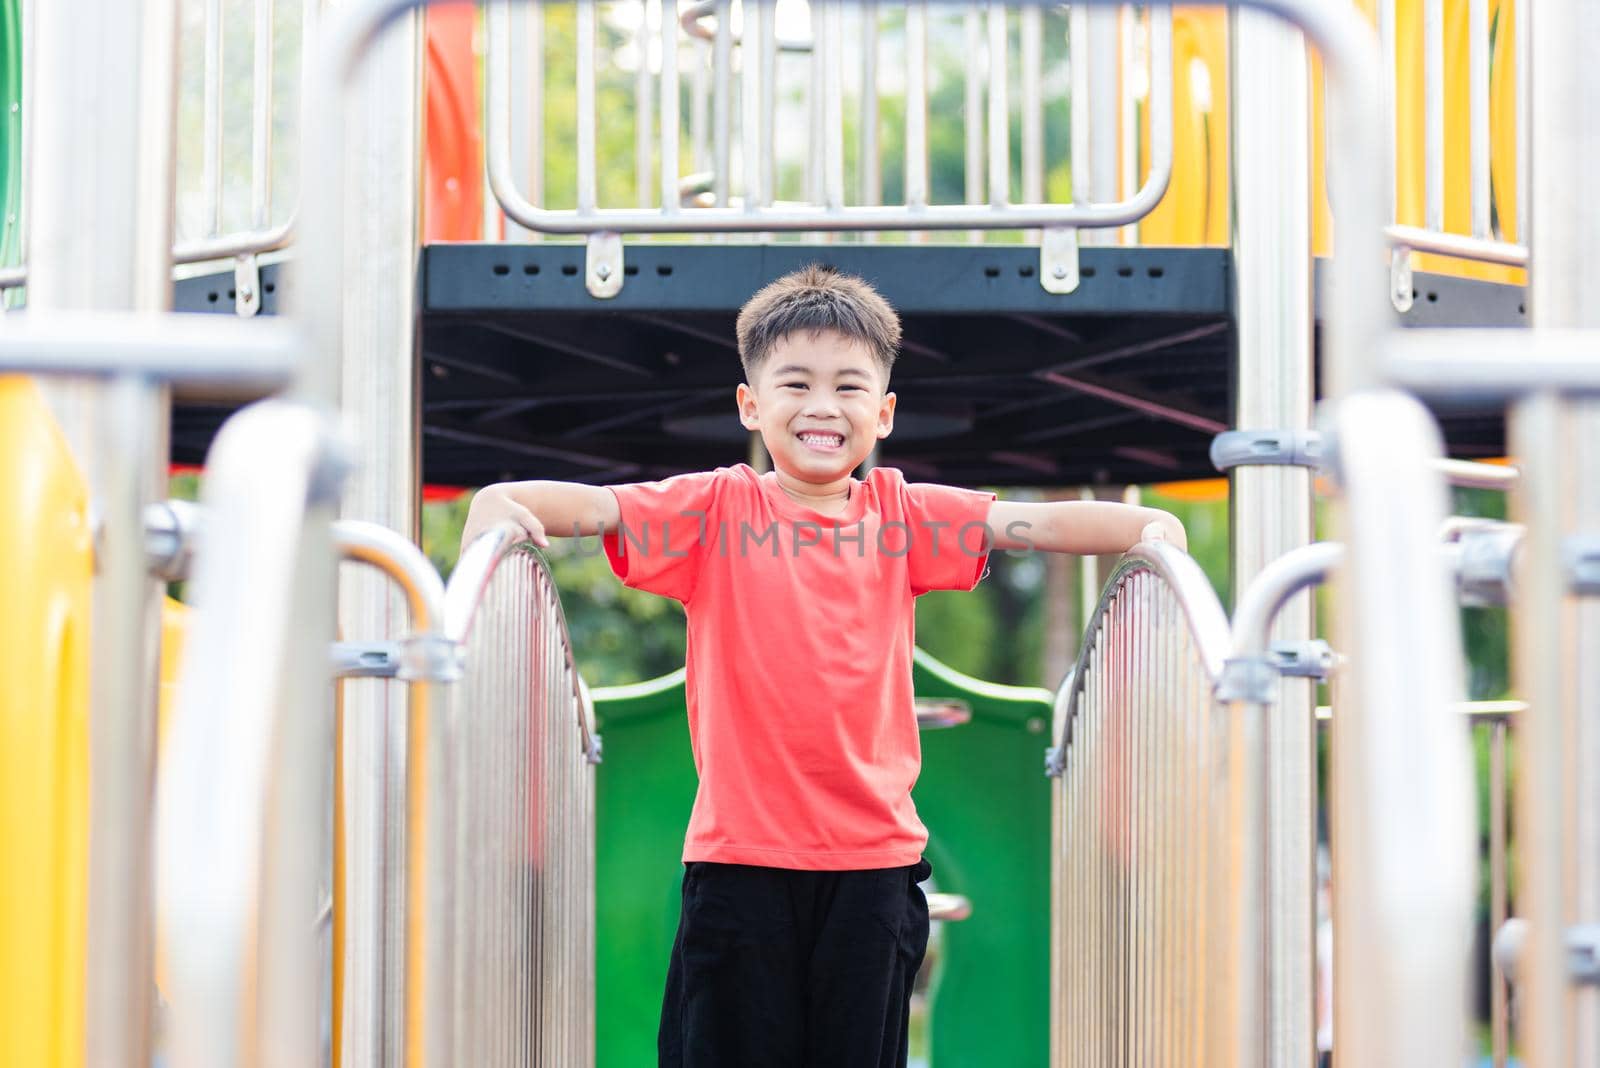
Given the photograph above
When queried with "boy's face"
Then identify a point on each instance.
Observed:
(820, 404)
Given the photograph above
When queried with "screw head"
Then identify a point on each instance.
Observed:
(1059, 271)
(602, 272)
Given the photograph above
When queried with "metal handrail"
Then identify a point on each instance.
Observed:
(236, 890)
(500, 952)
(1141, 750)
(1198, 601)
(754, 218)
(465, 592)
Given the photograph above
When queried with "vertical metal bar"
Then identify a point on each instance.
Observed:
(1558, 884)
(831, 43)
(670, 122)
(585, 17)
(211, 159)
(261, 120)
(1499, 1032)
(1387, 43)
(816, 122)
(1433, 91)
(916, 104)
(700, 106)
(1478, 104)
(750, 102)
(1078, 70)
(973, 111)
(999, 108)
(769, 102)
(1271, 507)
(1032, 104)
(1128, 114)
(100, 172)
(643, 107)
(869, 165)
(369, 339)
(535, 123)
(1544, 646)
(722, 101)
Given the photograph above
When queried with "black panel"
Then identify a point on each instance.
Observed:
(527, 376)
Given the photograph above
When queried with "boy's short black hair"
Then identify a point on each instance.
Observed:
(813, 299)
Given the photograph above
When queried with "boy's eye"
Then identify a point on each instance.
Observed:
(793, 385)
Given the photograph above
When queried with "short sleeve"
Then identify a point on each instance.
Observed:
(659, 544)
(949, 536)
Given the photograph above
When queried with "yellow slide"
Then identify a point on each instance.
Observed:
(44, 735)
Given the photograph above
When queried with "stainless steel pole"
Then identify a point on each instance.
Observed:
(1558, 638)
(379, 401)
(1271, 506)
(102, 107)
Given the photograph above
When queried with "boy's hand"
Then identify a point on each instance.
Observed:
(1166, 529)
(493, 504)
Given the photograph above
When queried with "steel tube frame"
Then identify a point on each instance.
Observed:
(1271, 506)
(1557, 636)
(234, 808)
(849, 217)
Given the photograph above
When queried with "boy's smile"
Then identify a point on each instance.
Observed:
(820, 405)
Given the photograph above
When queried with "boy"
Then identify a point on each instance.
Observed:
(803, 924)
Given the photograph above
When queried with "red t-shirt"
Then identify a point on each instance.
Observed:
(801, 626)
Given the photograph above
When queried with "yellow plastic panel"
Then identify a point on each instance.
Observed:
(44, 756)
(174, 627)
(1195, 209)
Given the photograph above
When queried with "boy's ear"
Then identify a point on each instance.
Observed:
(745, 398)
(886, 416)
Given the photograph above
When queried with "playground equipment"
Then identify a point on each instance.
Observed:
(1021, 355)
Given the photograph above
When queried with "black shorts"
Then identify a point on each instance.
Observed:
(774, 968)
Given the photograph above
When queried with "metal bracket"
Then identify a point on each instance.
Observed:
(1279, 448)
(430, 658)
(170, 531)
(1402, 288)
(1581, 556)
(366, 660)
(1313, 659)
(595, 752)
(1583, 954)
(1249, 678)
(1058, 259)
(603, 267)
(1484, 564)
(246, 286)
(1055, 762)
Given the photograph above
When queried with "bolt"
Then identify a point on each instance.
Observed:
(602, 272)
(247, 294)
(1060, 271)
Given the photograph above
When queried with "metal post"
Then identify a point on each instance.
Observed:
(1103, 84)
(379, 398)
(1271, 506)
(1557, 640)
(103, 106)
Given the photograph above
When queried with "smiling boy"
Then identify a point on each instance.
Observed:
(803, 924)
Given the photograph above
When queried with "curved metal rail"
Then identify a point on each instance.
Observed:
(1143, 820)
(237, 868)
(500, 957)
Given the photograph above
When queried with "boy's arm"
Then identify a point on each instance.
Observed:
(565, 509)
(1087, 528)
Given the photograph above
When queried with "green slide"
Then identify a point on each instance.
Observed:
(10, 130)
(984, 798)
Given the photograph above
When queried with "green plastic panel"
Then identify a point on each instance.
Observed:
(983, 796)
